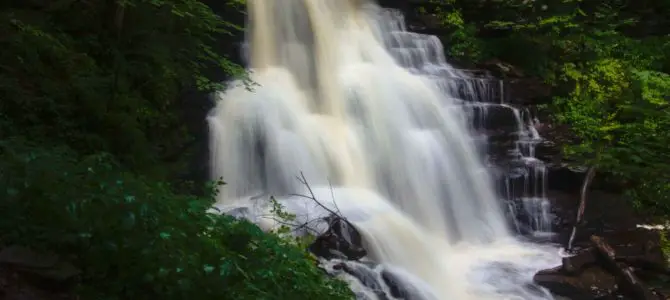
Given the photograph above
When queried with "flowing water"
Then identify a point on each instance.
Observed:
(380, 128)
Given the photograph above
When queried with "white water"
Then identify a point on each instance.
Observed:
(365, 110)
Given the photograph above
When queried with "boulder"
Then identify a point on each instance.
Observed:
(341, 240)
(45, 268)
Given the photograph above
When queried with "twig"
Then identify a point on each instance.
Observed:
(303, 180)
(295, 228)
(332, 196)
(337, 214)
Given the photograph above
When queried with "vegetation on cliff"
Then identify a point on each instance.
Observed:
(608, 64)
(89, 125)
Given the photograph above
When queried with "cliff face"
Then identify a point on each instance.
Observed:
(195, 104)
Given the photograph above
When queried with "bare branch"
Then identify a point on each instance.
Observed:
(311, 196)
(332, 197)
(590, 174)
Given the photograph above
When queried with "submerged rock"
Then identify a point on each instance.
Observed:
(367, 275)
(379, 281)
(399, 288)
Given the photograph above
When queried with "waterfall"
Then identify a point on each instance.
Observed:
(379, 126)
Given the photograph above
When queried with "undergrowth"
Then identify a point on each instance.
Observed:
(133, 238)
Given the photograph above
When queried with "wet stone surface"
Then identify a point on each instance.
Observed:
(638, 262)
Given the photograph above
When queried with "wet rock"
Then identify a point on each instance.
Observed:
(591, 283)
(341, 240)
(548, 151)
(602, 272)
(519, 88)
(498, 117)
(239, 212)
(366, 275)
(399, 288)
(574, 264)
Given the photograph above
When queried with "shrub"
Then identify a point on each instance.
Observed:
(133, 238)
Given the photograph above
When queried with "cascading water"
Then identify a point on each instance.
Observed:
(524, 177)
(370, 115)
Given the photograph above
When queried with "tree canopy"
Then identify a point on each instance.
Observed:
(608, 64)
(90, 98)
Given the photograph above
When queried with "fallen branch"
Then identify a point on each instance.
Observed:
(630, 283)
(341, 238)
(590, 174)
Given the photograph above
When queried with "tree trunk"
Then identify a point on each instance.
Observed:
(590, 174)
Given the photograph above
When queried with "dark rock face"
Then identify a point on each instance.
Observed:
(608, 269)
(26, 274)
(606, 214)
(563, 177)
(341, 240)
(194, 105)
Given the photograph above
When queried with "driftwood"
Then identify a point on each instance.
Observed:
(628, 281)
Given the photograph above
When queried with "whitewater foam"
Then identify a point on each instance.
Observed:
(366, 112)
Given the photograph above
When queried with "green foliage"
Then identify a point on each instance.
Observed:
(608, 64)
(287, 226)
(461, 42)
(665, 242)
(106, 76)
(135, 239)
(91, 94)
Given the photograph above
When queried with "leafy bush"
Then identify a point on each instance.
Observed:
(135, 239)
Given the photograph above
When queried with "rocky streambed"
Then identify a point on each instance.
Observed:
(615, 255)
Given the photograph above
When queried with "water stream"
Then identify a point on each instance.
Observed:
(384, 132)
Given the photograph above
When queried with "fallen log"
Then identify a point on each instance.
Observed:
(628, 281)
